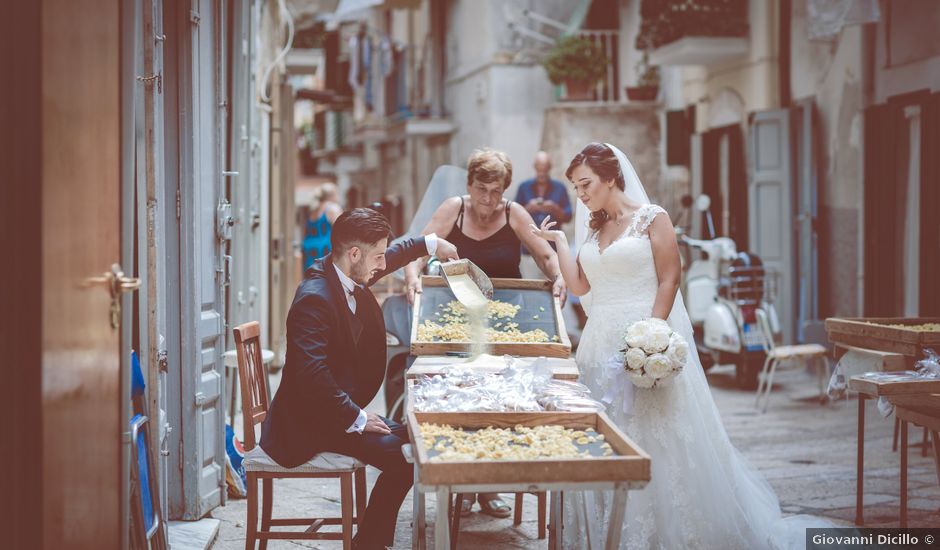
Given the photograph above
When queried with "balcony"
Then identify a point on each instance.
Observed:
(693, 32)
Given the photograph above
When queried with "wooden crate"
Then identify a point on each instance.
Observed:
(628, 463)
(531, 294)
(874, 333)
(889, 385)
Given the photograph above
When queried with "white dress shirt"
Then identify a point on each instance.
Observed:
(349, 286)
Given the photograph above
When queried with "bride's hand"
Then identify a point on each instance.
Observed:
(546, 232)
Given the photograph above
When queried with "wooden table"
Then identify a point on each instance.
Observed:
(922, 410)
(629, 468)
(429, 365)
(872, 389)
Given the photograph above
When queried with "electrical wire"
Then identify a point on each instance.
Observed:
(289, 20)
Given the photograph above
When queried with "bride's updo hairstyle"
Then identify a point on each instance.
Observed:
(603, 162)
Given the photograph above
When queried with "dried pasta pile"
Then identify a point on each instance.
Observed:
(451, 325)
(519, 443)
(924, 327)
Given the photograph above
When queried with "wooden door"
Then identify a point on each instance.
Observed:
(203, 269)
(771, 208)
(81, 159)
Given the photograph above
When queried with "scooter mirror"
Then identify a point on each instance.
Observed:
(703, 203)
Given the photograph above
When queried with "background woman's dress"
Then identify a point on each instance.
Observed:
(316, 242)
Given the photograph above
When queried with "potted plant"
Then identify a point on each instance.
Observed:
(647, 85)
(578, 63)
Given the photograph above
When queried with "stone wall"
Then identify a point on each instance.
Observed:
(634, 128)
(830, 73)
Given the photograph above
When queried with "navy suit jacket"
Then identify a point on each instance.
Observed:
(331, 371)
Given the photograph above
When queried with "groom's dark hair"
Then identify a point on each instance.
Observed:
(359, 227)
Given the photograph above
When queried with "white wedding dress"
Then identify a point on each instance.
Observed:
(703, 493)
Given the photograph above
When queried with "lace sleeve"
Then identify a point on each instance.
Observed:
(644, 218)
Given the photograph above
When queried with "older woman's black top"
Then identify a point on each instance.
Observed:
(497, 255)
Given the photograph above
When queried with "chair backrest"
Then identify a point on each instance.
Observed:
(763, 323)
(251, 375)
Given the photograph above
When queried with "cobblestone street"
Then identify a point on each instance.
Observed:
(806, 451)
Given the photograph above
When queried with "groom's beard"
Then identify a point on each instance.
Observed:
(360, 273)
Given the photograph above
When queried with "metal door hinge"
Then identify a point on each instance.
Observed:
(194, 17)
(225, 221)
(154, 78)
(162, 360)
(178, 205)
(226, 271)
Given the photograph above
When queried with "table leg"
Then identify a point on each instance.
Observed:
(418, 529)
(441, 521)
(903, 473)
(618, 510)
(554, 528)
(590, 511)
(936, 451)
(860, 463)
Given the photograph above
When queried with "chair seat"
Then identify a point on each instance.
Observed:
(256, 460)
(801, 350)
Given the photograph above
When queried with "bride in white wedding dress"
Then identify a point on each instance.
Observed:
(703, 493)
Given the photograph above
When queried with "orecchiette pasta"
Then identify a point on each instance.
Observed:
(519, 443)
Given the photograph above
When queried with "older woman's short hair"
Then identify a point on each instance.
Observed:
(488, 165)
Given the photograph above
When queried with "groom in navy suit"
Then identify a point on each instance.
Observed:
(336, 364)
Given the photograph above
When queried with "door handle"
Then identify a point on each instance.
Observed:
(116, 283)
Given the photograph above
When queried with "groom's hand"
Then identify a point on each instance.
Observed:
(375, 425)
(446, 251)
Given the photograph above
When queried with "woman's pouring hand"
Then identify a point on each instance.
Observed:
(546, 232)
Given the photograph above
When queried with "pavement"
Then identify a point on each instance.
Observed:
(805, 450)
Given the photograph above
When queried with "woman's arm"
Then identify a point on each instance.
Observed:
(521, 221)
(571, 271)
(332, 212)
(440, 224)
(668, 267)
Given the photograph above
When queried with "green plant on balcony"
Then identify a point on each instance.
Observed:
(666, 21)
(647, 84)
(578, 63)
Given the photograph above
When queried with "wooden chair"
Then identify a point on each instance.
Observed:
(802, 355)
(259, 466)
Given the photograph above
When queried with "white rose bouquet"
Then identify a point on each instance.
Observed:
(653, 353)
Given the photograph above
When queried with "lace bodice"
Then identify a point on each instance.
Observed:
(623, 273)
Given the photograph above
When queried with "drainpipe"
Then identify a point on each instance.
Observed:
(783, 55)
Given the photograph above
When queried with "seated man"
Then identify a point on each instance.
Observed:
(336, 363)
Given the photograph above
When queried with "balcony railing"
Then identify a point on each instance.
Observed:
(607, 90)
(693, 32)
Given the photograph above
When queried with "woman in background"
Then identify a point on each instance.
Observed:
(324, 210)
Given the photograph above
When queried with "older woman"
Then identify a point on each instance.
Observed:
(487, 229)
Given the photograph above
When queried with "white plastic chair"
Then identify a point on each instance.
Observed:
(800, 355)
